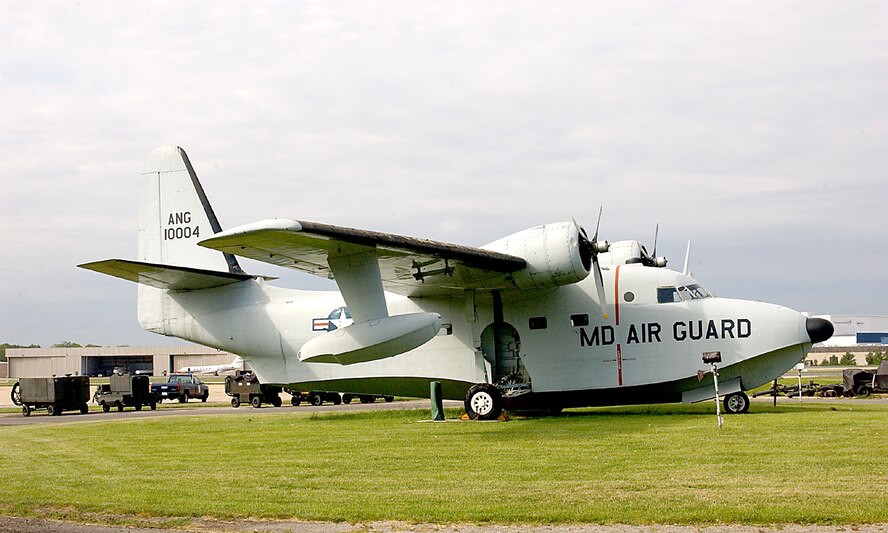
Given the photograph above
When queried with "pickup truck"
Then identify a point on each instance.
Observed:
(181, 387)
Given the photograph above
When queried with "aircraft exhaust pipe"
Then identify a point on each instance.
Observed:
(819, 329)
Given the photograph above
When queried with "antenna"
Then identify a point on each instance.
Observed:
(687, 259)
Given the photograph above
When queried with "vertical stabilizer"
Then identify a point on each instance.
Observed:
(174, 214)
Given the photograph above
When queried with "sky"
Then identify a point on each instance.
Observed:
(757, 130)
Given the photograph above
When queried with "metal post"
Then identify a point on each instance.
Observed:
(775, 392)
(437, 401)
(717, 404)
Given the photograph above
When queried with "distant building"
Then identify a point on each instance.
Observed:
(152, 360)
(854, 334)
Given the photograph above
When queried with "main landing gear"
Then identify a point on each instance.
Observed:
(484, 402)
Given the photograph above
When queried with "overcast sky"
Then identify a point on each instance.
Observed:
(758, 130)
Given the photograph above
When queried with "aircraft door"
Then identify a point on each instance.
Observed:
(501, 346)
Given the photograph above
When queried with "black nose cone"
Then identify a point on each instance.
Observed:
(819, 329)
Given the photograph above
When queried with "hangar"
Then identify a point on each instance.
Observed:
(102, 361)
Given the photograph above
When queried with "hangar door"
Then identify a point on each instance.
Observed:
(104, 365)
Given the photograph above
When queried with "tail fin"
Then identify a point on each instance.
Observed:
(174, 214)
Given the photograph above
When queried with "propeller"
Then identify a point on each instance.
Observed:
(589, 250)
(652, 259)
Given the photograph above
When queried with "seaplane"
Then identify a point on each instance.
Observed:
(544, 319)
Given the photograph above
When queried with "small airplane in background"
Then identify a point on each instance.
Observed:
(236, 364)
(545, 318)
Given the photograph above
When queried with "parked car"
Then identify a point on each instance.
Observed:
(182, 387)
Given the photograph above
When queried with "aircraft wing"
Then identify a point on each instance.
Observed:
(164, 276)
(407, 265)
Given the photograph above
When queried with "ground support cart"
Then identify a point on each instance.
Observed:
(125, 390)
(245, 388)
(55, 394)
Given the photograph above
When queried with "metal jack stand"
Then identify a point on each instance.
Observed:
(712, 358)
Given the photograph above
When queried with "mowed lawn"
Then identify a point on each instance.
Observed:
(810, 464)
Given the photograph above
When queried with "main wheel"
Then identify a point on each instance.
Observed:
(346, 398)
(53, 410)
(483, 402)
(256, 402)
(317, 399)
(276, 401)
(235, 402)
(736, 403)
(105, 407)
(26, 410)
(295, 400)
(16, 394)
(84, 408)
(337, 400)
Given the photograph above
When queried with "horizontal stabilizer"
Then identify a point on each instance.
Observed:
(175, 278)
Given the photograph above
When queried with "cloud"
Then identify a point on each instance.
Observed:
(755, 129)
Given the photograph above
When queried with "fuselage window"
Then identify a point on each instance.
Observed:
(538, 322)
(667, 295)
(578, 321)
(629, 296)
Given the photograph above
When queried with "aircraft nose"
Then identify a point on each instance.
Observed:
(819, 329)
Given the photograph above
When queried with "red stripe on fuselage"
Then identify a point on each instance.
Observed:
(617, 295)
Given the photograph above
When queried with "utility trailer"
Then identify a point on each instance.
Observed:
(125, 390)
(315, 397)
(244, 387)
(366, 398)
(859, 382)
(55, 394)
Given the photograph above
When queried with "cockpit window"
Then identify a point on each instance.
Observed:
(667, 295)
(685, 293)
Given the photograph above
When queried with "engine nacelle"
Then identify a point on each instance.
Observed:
(553, 254)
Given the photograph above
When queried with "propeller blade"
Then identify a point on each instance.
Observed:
(687, 259)
(599, 286)
(656, 236)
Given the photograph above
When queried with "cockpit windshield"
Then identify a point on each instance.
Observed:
(684, 293)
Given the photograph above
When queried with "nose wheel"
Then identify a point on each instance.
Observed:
(736, 403)
(483, 402)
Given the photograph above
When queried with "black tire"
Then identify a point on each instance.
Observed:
(483, 402)
(256, 402)
(153, 406)
(367, 399)
(346, 398)
(138, 406)
(119, 406)
(863, 392)
(26, 410)
(736, 403)
(84, 408)
(105, 407)
(295, 401)
(53, 410)
(276, 401)
(16, 395)
(317, 399)
(337, 399)
(235, 402)
(206, 396)
(159, 400)
(184, 398)
(388, 399)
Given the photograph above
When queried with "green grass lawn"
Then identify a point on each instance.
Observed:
(809, 464)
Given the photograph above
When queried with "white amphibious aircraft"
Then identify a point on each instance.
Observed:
(542, 319)
(236, 364)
